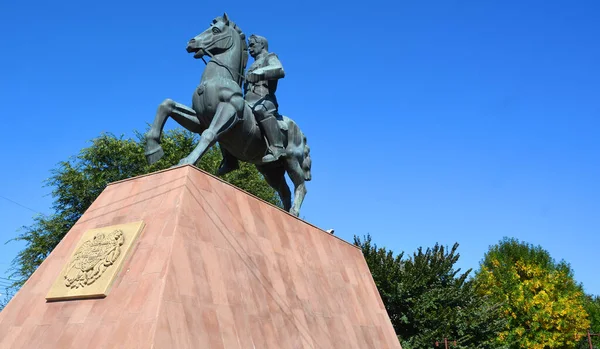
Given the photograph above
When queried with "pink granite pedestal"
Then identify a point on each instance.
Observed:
(214, 267)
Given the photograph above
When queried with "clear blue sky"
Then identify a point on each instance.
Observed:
(429, 121)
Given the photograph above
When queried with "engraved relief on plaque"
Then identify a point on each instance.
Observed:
(95, 262)
(93, 257)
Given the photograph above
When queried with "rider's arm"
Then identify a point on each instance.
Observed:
(274, 69)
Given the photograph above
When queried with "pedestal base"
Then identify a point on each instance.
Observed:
(213, 267)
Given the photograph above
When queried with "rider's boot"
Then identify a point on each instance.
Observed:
(270, 128)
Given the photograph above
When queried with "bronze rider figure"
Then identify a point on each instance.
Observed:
(260, 85)
(259, 89)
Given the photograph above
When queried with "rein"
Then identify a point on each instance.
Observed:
(213, 58)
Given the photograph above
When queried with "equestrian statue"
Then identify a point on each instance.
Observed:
(240, 111)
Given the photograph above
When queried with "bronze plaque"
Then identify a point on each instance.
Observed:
(95, 262)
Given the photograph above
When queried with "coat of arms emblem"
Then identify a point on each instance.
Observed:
(93, 257)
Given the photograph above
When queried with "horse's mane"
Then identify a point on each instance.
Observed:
(242, 40)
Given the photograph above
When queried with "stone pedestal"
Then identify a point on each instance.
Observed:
(181, 259)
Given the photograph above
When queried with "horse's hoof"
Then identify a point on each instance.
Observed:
(179, 164)
(225, 168)
(153, 155)
(183, 161)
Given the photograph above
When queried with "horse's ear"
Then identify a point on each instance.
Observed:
(225, 18)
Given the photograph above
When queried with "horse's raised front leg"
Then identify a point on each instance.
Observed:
(297, 176)
(182, 114)
(224, 116)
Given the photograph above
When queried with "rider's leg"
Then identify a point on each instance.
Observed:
(265, 114)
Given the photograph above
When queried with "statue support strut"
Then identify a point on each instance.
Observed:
(246, 123)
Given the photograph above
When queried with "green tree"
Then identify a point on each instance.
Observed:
(6, 293)
(428, 299)
(78, 181)
(541, 302)
(591, 305)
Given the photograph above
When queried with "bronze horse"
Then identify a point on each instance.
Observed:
(219, 113)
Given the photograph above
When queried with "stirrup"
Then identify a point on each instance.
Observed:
(274, 155)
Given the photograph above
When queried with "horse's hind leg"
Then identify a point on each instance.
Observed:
(228, 164)
(182, 114)
(275, 177)
(297, 175)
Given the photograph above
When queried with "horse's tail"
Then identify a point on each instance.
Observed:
(307, 162)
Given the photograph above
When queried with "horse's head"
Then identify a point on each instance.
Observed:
(218, 38)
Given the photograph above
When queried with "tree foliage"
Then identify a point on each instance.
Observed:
(428, 299)
(78, 181)
(591, 305)
(6, 293)
(541, 302)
